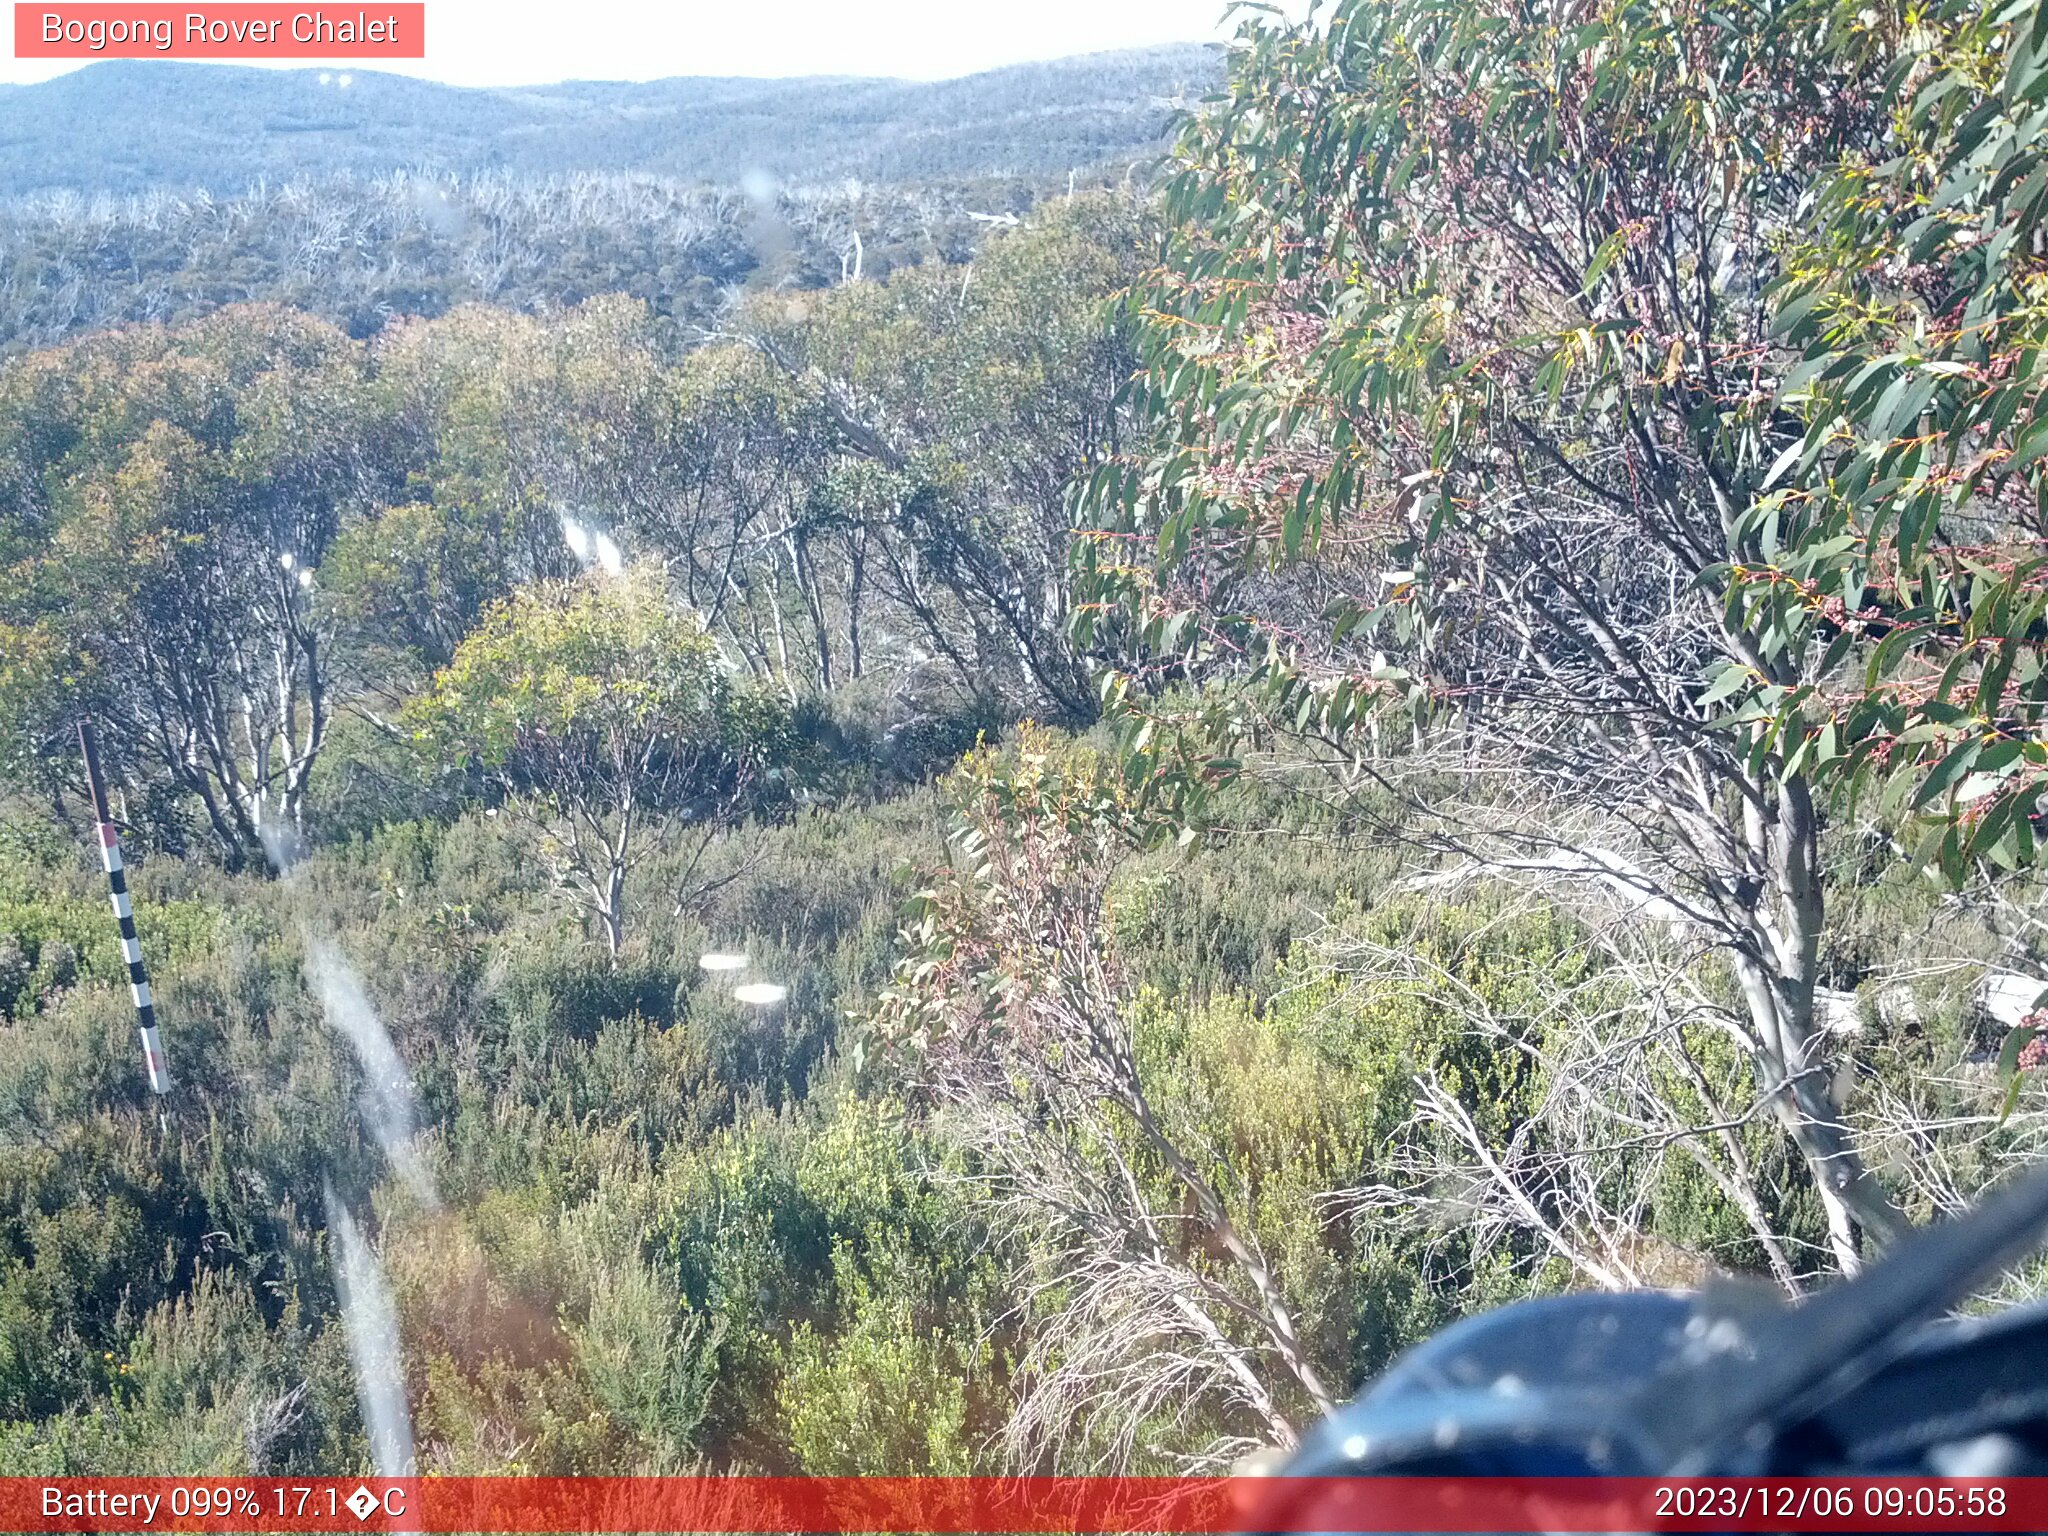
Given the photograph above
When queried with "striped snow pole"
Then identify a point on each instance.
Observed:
(131, 947)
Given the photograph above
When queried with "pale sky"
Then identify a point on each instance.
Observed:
(535, 42)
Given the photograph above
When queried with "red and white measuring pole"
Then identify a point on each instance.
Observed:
(131, 947)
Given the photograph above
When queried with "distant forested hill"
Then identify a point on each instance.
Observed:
(144, 191)
(134, 126)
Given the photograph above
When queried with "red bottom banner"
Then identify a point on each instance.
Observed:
(953, 1506)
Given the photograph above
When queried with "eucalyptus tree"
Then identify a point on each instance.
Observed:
(176, 492)
(961, 402)
(1465, 405)
(742, 528)
(1905, 533)
(601, 713)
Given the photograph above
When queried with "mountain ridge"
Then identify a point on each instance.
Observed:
(132, 125)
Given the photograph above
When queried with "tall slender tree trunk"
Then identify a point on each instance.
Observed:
(856, 585)
(611, 909)
(1778, 982)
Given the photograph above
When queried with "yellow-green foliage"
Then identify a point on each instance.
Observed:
(57, 932)
(599, 671)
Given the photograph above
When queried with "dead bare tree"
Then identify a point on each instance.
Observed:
(1630, 1049)
(1149, 1295)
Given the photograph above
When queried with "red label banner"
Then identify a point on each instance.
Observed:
(224, 31)
(952, 1506)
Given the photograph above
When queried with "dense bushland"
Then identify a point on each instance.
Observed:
(365, 250)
